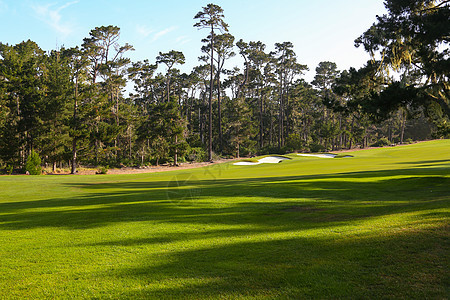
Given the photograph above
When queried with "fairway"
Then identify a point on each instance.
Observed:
(374, 225)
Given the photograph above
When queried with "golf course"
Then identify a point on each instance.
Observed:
(368, 224)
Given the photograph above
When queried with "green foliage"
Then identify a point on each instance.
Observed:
(271, 150)
(33, 164)
(381, 143)
(69, 104)
(197, 154)
(294, 143)
(411, 39)
(316, 147)
(9, 169)
(165, 128)
(102, 170)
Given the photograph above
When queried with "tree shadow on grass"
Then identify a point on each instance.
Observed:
(395, 266)
(426, 162)
(337, 197)
(249, 234)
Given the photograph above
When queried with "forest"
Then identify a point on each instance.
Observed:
(70, 105)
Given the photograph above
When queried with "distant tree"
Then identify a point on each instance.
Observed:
(77, 64)
(33, 164)
(165, 129)
(170, 59)
(355, 88)
(224, 49)
(287, 69)
(212, 18)
(243, 51)
(142, 74)
(326, 74)
(106, 56)
(22, 69)
(238, 126)
(54, 141)
(259, 60)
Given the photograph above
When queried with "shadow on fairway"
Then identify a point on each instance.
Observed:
(407, 265)
(243, 260)
(314, 199)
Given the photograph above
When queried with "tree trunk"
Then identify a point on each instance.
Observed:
(261, 144)
(281, 115)
(96, 151)
(219, 111)
(175, 158)
(390, 130)
(403, 125)
(211, 83)
(129, 142)
(74, 140)
(200, 125)
(280, 121)
(168, 87)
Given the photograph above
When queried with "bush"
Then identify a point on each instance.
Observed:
(102, 170)
(9, 169)
(271, 150)
(294, 143)
(33, 164)
(197, 154)
(381, 143)
(316, 147)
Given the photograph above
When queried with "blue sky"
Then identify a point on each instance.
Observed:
(321, 30)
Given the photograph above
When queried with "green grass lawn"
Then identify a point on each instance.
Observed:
(371, 226)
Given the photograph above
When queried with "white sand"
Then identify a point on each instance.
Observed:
(264, 160)
(319, 155)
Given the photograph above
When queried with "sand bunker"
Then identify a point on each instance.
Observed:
(264, 160)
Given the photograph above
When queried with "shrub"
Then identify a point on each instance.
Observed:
(9, 169)
(33, 164)
(102, 170)
(381, 143)
(271, 150)
(316, 147)
(196, 154)
(294, 143)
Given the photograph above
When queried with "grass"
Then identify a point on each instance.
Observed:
(371, 226)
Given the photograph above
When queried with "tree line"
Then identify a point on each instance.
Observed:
(69, 104)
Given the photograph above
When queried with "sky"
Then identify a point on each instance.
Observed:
(321, 30)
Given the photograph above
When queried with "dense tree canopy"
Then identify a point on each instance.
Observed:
(69, 105)
(413, 40)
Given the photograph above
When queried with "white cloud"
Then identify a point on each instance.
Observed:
(144, 30)
(51, 14)
(163, 32)
(181, 40)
